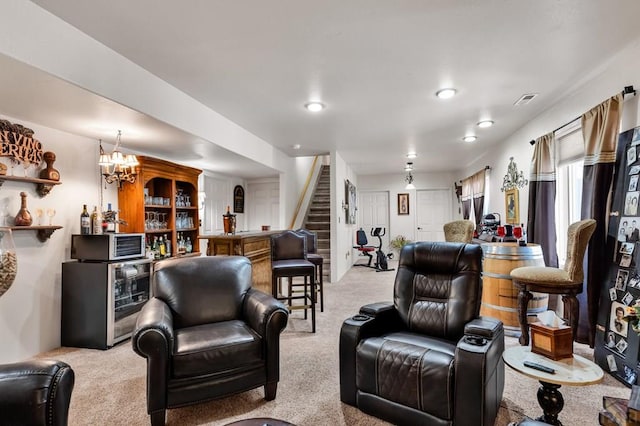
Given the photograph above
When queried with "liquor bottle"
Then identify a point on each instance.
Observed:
(111, 219)
(85, 221)
(154, 248)
(167, 244)
(161, 247)
(96, 223)
(189, 246)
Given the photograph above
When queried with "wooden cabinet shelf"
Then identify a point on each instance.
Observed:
(43, 232)
(43, 186)
(159, 178)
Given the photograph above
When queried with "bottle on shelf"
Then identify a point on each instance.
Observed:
(167, 244)
(162, 249)
(111, 219)
(85, 221)
(96, 223)
(188, 245)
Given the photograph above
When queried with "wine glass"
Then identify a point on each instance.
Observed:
(517, 232)
(26, 165)
(51, 213)
(39, 214)
(500, 231)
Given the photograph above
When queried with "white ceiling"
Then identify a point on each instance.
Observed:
(376, 64)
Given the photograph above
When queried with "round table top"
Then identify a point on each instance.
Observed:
(576, 371)
(260, 421)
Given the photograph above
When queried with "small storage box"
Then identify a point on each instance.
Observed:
(552, 342)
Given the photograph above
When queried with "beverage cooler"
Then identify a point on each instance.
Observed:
(101, 301)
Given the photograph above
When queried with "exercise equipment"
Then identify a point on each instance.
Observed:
(381, 264)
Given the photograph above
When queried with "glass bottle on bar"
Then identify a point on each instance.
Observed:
(85, 221)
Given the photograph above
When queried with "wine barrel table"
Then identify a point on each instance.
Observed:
(499, 296)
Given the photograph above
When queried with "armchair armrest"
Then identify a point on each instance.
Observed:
(153, 338)
(479, 368)
(373, 320)
(264, 313)
(36, 392)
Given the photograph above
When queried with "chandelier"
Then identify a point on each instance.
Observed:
(409, 178)
(514, 179)
(116, 167)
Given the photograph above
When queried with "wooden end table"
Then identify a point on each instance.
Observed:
(576, 371)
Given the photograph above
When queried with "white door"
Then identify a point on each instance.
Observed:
(264, 204)
(433, 210)
(215, 204)
(373, 212)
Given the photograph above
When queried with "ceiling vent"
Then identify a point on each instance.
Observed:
(525, 99)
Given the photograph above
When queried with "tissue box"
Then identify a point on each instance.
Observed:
(552, 342)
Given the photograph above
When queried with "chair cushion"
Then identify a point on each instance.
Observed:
(541, 274)
(409, 369)
(292, 267)
(314, 258)
(214, 348)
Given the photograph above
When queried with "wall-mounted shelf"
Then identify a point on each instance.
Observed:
(43, 186)
(43, 232)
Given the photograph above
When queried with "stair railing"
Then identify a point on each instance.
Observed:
(304, 192)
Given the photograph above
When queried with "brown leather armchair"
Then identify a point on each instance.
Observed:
(206, 333)
(428, 357)
(35, 392)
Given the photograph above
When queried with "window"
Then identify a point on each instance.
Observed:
(569, 173)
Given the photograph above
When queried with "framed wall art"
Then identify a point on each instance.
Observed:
(238, 199)
(403, 204)
(350, 202)
(511, 206)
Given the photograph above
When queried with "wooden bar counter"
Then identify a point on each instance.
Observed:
(255, 245)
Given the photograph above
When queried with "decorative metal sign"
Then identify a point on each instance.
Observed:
(17, 142)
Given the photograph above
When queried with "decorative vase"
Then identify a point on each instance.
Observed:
(8, 260)
(49, 172)
(23, 218)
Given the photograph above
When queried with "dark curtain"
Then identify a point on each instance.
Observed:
(467, 194)
(541, 222)
(600, 128)
(478, 181)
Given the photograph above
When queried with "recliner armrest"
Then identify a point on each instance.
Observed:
(483, 327)
(264, 313)
(153, 334)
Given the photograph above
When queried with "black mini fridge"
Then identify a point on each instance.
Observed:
(101, 301)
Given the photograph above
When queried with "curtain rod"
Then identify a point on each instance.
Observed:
(628, 90)
(485, 168)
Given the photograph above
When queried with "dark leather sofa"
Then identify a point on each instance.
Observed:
(207, 333)
(35, 392)
(428, 358)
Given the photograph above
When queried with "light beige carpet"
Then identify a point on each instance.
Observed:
(110, 385)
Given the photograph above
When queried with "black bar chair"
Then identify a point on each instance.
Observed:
(289, 260)
(317, 260)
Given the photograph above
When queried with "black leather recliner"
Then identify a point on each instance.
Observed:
(206, 333)
(427, 358)
(35, 392)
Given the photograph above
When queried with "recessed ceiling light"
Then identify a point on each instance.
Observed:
(314, 106)
(296, 146)
(412, 155)
(485, 123)
(446, 93)
(470, 138)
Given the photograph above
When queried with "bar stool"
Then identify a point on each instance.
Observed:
(289, 260)
(567, 281)
(316, 259)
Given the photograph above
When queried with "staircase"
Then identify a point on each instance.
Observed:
(318, 219)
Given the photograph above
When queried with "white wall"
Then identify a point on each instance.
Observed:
(342, 234)
(30, 310)
(611, 78)
(395, 184)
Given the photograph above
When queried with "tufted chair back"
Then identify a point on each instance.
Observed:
(438, 288)
(459, 231)
(208, 279)
(578, 236)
